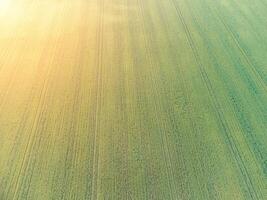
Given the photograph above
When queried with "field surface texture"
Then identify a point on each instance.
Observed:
(133, 99)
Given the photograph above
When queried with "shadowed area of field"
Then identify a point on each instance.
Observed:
(133, 99)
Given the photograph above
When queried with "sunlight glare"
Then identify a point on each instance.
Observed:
(4, 4)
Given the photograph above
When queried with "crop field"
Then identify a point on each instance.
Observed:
(133, 99)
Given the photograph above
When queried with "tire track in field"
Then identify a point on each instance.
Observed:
(233, 146)
(145, 141)
(237, 43)
(138, 144)
(139, 99)
(249, 84)
(120, 53)
(39, 113)
(99, 65)
(74, 143)
(169, 165)
(15, 147)
(71, 134)
(246, 130)
(237, 105)
(36, 144)
(33, 127)
(258, 35)
(32, 136)
(163, 125)
(40, 127)
(171, 117)
(22, 124)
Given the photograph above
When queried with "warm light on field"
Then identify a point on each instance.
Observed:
(4, 5)
(133, 99)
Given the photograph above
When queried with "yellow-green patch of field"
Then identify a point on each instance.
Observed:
(133, 99)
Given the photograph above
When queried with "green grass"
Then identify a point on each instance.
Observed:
(133, 99)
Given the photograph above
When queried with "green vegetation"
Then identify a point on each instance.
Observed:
(133, 99)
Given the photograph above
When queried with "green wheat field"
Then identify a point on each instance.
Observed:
(133, 99)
